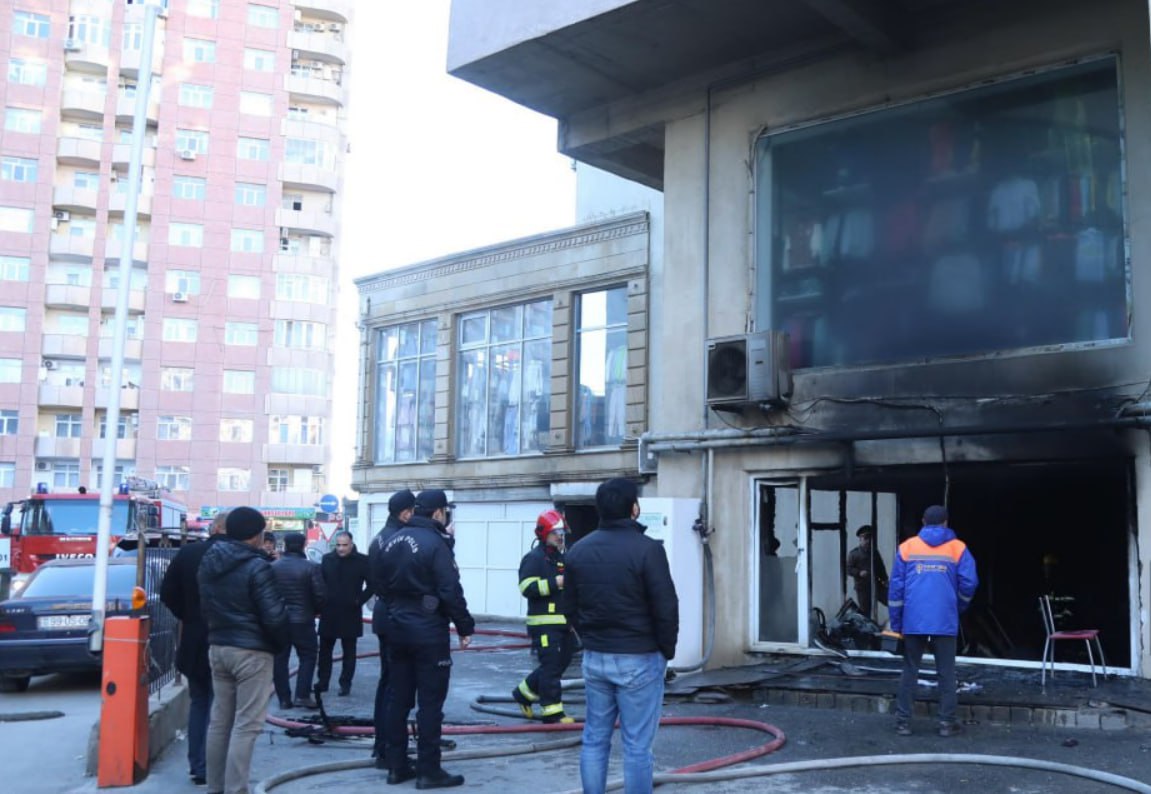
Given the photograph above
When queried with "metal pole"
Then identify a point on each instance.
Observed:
(120, 324)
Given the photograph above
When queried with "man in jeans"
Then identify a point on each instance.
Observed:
(619, 596)
(247, 625)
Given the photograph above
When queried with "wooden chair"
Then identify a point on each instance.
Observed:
(1088, 636)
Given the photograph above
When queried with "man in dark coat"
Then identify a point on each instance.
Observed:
(302, 586)
(400, 507)
(180, 592)
(421, 585)
(345, 573)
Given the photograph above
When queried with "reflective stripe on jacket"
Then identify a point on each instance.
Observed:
(538, 571)
(932, 582)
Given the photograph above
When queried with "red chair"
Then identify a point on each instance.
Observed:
(1088, 636)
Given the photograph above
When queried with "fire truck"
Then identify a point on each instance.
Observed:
(49, 526)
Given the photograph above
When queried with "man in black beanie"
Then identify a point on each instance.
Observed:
(247, 626)
(619, 597)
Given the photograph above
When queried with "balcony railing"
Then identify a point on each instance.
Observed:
(133, 348)
(49, 446)
(309, 221)
(55, 396)
(71, 247)
(79, 151)
(129, 398)
(70, 345)
(67, 296)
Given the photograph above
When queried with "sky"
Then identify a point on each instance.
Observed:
(437, 166)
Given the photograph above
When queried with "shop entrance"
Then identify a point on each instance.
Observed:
(1062, 529)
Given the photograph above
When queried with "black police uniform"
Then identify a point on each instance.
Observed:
(421, 585)
(551, 637)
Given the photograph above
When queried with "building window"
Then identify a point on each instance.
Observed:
(504, 383)
(89, 30)
(190, 235)
(199, 51)
(263, 16)
(239, 431)
(132, 37)
(36, 26)
(22, 120)
(229, 479)
(86, 180)
(18, 169)
(255, 103)
(69, 425)
(17, 219)
(65, 474)
(239, 381)
(299, 380)
(249, 195)
(192, 140)
(259, 60)
(13, 318)
(305, 151)
(253, 149)
(174, 428)
(193, 95)
(121, 427)
(7, 475)
(248, 241)
(179, 329)
(9, 422)
(10, 369)
(306, 430)
(72, 324)
(241, 334)
(174, 478)
(26, 71)
(14, 268)
(176, 379)
(278, 480)
(209, 9)
(303, 288)
(405, 392)
(185, 281)
(244, 287)
(601, 339)
(191, 188)
(959, 220)
(301, 334)
(117, 474)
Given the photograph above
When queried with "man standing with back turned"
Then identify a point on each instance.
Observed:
(619, 596)
(932, 582)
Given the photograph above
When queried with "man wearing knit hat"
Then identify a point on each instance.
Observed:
(247, 625)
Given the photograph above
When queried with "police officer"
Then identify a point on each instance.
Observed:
(541, 582)
(421, 584)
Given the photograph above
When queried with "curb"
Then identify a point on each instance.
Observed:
(167, 719)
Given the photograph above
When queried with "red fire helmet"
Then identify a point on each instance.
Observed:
(549, 521)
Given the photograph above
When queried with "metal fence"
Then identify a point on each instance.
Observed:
(163, 628)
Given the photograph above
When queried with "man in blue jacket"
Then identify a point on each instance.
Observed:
(932, 583)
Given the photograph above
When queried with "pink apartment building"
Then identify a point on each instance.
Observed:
(226, 396)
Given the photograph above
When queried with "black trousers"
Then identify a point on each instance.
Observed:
(304, 641)
(379, 713)
(555, 646)
(418, 674)
(347, 664)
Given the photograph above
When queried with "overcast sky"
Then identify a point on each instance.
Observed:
(437, 166)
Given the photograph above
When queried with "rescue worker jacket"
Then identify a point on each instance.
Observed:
(421, 585)
(538, 571)
(932, 581)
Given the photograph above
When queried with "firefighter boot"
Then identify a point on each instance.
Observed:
(553, 713)
(524, 697)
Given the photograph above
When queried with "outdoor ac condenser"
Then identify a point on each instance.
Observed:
(748, 369)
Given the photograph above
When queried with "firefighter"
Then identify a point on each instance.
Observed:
(541, 580)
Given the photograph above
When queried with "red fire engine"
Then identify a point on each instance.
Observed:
(48, 526)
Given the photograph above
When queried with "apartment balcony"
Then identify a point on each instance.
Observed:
(321, 131)
(314, 89)
(328, 46)
(122, 155)
(133, 348)
(71, 248)
(52, 395)
(83, 102)
(137, 298)
(67, 197)
(339, 10)
(305, 264)
(130, 61)
(129, 398)
(125, 448)
(67, 296)
(78, 151)
(118, 202)
(309, 221)
(48, 446)
(126, 108)
(69, 345)
(294, 454)
(86, 57)
(311, 177)
(113, 247)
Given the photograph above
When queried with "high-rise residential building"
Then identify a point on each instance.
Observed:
(226, 391)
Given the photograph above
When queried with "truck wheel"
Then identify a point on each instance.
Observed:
(15, 683)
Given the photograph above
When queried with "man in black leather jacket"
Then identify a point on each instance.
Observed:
(302, 585)
(247, 625)
(421, 584)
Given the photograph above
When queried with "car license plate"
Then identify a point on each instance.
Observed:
(49, 622)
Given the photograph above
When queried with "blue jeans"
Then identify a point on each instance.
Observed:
(199, 707)
(627, 686)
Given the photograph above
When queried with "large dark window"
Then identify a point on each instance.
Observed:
(985, 220)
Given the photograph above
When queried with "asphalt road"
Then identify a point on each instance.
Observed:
(812, 735)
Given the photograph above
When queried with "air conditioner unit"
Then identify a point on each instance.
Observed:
(71, 45)
(187, 154)
(748, 369)
(49, 364)
(179, 297)
(43, 465)
(61, 215)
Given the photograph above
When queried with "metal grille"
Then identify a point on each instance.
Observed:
(163, 628)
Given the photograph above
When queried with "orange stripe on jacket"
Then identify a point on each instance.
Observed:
(916, 549)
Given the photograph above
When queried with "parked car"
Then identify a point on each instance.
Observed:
(44, 628)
